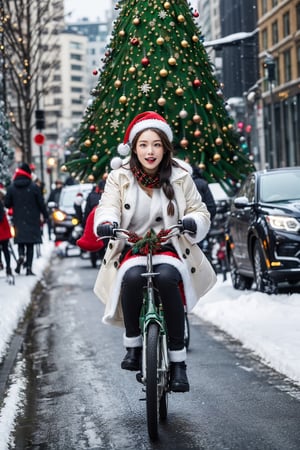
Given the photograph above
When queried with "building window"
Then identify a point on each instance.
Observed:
(76, 56)
(76, 67)
(287, 65)
(264, 6)
(74, 78)
(264, 39)
(274, 32)
(286, 24)
(76, 89)
(298, 16)
(274, 3)
(298, 61)
(76, 45)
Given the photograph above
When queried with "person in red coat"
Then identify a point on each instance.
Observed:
(5, 234)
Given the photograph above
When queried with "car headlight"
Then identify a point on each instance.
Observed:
(59, 216)
(75, 221)
(283, 223)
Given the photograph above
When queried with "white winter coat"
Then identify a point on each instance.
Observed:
(118, 204)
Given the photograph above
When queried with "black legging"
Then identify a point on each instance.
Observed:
(29, 253)
(4, 248)
(167, 282)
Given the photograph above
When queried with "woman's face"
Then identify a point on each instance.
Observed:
(149, 150)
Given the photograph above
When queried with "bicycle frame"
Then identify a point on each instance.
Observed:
(152, 312)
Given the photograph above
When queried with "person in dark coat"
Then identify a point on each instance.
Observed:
(204, 191)
(93, 199)
(26, 200)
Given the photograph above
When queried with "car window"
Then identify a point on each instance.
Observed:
(68, 196)
(280, 187)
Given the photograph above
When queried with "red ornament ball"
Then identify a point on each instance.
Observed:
(134, 41)
(95, 72)
(145, 61)
(197, 83)
(196, 13)
(92, 128)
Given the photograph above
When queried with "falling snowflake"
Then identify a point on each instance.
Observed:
(145, 88)
(162, 15)
(115, 124)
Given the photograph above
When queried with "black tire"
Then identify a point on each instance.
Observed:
(263, 284)
(152, 380)
(239, 281)
(186, 330)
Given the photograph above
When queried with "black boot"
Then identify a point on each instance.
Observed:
(178, 377)
(19, 264)
(8, 271)
(132, 360)
(29, 271)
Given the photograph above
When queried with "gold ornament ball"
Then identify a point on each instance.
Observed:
(230, 126)
(195, 38)
(94, 158)
(122, 33)
(219, 141)
(179, 91)
(202, 166)
(196, 118)
(132, 70)
(184, 143)
(180, 18)
(184, 43)
(87, 143)
(123, 99)
(63, 168)
(136, 21)
(163, 73)
(118, 83)
(167, 5)
(91, 178)
(172, 61)
(224, 129)
(160, 40)
(209, 106)
(161, 101)
(217, 157)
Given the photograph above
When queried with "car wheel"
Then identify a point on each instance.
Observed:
(263, 283)
(239, 281)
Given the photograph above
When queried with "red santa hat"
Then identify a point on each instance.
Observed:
(144, 121)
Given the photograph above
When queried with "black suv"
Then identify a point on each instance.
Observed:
(263, 239)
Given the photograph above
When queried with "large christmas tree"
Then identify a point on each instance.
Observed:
(156, 61)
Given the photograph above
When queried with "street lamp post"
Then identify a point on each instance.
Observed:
(269, 64)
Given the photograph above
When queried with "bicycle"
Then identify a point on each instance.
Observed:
(155, 371)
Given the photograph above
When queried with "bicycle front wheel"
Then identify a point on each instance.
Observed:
(152, 358)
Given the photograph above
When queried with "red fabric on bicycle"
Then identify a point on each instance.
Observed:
(89, 242)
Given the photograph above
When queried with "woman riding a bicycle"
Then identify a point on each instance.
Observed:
(152, 191)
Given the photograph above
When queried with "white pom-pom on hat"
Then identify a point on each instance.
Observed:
(116, 162)
(123, 149)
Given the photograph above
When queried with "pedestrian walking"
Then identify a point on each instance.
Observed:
(152, 191)
(27, 203)
(5, 235)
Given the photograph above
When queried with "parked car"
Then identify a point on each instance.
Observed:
(65, 222)
(263, 234)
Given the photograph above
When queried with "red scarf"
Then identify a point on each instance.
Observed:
(146, 179)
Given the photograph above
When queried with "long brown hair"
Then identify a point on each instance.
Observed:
(165, 167)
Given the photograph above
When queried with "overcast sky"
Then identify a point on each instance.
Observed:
(91, 8)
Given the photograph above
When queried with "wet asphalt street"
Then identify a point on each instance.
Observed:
(79, 398)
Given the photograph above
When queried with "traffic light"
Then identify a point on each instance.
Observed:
(39, 119)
